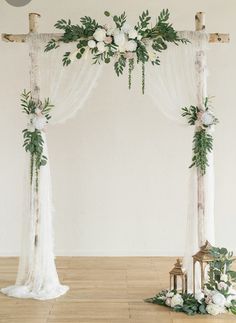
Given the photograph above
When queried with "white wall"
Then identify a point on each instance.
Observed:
(119, 168)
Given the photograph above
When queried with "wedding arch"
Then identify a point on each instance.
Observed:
(180, 67)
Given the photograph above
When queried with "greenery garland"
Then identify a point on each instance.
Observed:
(204, 120)
(38, 113)
(122, 42)
(218, 296)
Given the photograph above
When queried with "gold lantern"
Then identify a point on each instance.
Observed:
(203, 257)
(178, 274)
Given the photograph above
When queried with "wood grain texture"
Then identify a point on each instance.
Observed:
(102, 290)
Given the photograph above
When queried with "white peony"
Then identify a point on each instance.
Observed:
(176, 300)
(91, 43)
(224, 278)
(133, 34)
(126, 28)
(218, 299)
(131, 46)
(170, 294)
(39, 122)
(199, 296)
(214, 309)
(120, 39)
(101, 47)
(207, 118)
(168, 302)
(99, 34)
(222, 285)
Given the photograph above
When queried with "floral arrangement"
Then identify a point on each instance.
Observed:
(38, 114)
(218, 296)
(121, 41)
(204, 120)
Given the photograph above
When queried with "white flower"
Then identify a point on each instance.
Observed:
(214, 309)
(116, 31)
(101, 47)
(131, 46)
(207, 118)
(199, 296)
(228, 301)
(224, 278)
(168, 301)
(126, 28)
(39, 122)
(133, 34)
(119, 39)
(38, 111)
(91, 43)
(99, 34)
(139, 37)
(218, 299)
(170, 294)
(31, 128)
(110, 31)
(222, 285)
(176, 300)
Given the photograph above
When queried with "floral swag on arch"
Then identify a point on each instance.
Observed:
(126, 46)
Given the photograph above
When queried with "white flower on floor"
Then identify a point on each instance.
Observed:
(219, 299)
(39, 122)
(199, 296)
(99, 34)
(91, 43)
(176, 300)
(222, 285)
(131, 46)
(224, 278)
(170, 294)
(101, 47)
(207, 118)
(214, 309)
(168, 302)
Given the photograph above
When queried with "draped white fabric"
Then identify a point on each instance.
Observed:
(172, 86)
(177, 84)
(68, 88)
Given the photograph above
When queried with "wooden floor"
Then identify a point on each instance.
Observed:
(102, 290)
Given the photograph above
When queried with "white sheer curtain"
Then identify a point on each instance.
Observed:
(172, 86)
(68, 88)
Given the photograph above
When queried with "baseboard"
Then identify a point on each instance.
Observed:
(104, 253)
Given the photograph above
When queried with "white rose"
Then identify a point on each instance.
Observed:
(133, 34)
(176, 300)
(91, 43)
(218, 299)
(99, 34)
(224, 278)
(170, 294)
(207, 119)
(101, 47)
(131, 46)
(119, 39)
(126, 28)
(39, 122)
(199, 296)
(214, 309)
(139, 37)
(31, 128)
(168, 302)
(222, 285)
